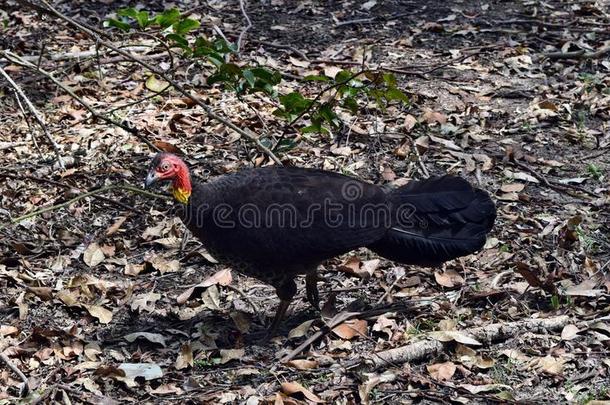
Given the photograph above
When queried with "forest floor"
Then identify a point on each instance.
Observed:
(95, 299)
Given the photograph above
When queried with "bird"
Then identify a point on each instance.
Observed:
(275, 223)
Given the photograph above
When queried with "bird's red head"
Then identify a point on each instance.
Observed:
(168, 167)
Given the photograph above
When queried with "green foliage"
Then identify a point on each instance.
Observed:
(349, 91)
(595, 171)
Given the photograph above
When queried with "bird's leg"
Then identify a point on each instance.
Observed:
(285, 291)
(311, 287)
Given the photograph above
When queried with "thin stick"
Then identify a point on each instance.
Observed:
(37, 116)
(242, 7)
(64, 185)
(26, 384)
(127, 187)
(208, 110)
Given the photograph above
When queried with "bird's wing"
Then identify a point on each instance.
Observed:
(286, 215)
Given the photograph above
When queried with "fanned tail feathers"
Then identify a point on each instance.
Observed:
(440, 218)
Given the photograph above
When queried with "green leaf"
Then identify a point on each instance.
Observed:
(395, 94)
(123, 26)
(389, 79)
(179, 40)
(266, 75)
(249, 76)
(343, 76)
(168, 17)
(186, 25)
(285, 145)
(327, 114)
(128, 12)
(231, 69)
(294, 102)
(217, 78)
(351, 104)
(316, 78)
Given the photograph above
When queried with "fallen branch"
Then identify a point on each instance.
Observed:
(19, 93)
(25, 388)
(488, 334)
(208, 110)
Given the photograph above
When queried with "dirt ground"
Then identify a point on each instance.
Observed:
(514, 96)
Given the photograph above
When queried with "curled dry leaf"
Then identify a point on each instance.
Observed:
(454, 335)
(151, 337)
(185, 357)
(449, 278)
(303, 364)
(292, 388)
(350, 329)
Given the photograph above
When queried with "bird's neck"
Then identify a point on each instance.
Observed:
(181, 186)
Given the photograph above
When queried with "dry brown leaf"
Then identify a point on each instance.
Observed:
(300, 330)
(102, 314)
(449, 278)
(410, 122)
(93, 255)
(350, 329)
(222, 277)
(512, 187)
(44, 293)
(185, 357)
(299, 63)
(226, 355)
(433, 117)
(303, 364)
(442, 371)
(569, 332)
(8, 330)
(151, 337)
(114, 228)
(291, 388)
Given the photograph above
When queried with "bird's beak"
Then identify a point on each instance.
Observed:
(151, 179)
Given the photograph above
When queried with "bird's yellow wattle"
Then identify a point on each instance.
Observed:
(181, 195)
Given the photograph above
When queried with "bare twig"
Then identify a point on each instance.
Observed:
(580, 54)
(67, 186)
(91, 193)
(25, 389)
(242, 7)
(280, 46)
(208, 110)
(19, 93)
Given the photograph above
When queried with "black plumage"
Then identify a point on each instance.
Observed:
(276, 223)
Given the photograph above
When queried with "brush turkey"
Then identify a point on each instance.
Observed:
(275, 223)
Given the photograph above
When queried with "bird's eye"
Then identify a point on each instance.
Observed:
(164, 167)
